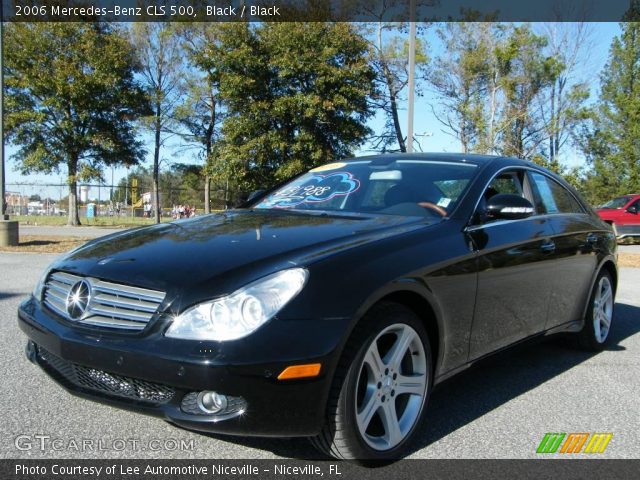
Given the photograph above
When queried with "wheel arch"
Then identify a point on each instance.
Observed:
(611, 268)
(415, 296)
(425, 312)
(609, 265)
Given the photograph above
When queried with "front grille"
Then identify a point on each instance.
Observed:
(106, 383)
(111, 305)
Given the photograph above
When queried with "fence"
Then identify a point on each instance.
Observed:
(117, 201)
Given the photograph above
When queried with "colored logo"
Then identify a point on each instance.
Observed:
(574, 442)
(312, 189)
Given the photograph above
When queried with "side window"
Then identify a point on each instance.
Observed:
(551, 197)
(504, 183)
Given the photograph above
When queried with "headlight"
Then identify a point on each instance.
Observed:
(37, 291)
(237, 315)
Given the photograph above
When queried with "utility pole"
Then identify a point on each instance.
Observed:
(412, 71)
(3, 205)
(8, 229)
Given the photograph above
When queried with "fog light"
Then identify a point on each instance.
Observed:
(211, 402)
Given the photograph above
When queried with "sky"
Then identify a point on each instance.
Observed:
(429, 131)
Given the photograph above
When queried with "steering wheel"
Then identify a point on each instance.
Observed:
(436, 208)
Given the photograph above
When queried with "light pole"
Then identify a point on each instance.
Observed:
(3, 205)
(8, 229)
(412, 72)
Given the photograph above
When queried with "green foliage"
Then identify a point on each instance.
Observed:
(611, 140)
(461, 76)
(71, 99)
(202, 112)
(525, 73)
(504, 90)
(296, 96)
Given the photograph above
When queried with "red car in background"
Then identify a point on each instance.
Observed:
(624, 214)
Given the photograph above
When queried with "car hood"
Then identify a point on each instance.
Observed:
(189, 252)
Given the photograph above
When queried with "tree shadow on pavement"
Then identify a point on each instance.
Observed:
(5, 295)
(479, 390)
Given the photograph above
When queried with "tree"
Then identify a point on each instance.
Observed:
(465, 77)
(610, 140)
(564, 110)
(71, 100)
(162, 60)
(296, 96)
(202, 114)
(389, 56)
(527, 72)
(490, 78)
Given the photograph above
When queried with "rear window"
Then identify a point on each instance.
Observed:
(553, 197)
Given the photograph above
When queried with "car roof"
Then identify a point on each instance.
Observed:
(442, 156)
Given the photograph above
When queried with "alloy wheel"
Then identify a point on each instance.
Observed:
(391, 387)
(603, 309)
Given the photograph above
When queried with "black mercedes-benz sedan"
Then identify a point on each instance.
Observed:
(329, 306)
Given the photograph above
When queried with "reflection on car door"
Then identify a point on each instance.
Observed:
(577, 237)
(513, 281)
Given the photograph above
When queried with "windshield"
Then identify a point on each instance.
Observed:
(617, 202)
(401, 187)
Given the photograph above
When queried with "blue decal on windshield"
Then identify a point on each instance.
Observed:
(315, 189)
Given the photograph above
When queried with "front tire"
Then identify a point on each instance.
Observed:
(597, 323)
(381, 387)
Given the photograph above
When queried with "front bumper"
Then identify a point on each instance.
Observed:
(153, 374)
(623, 231)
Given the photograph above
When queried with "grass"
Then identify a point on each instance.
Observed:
(629, 260)
(45, 244)
(86, 222)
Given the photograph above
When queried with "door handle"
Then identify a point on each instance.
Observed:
(548, 247)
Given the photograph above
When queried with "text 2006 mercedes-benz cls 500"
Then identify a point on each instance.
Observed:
(329, 306)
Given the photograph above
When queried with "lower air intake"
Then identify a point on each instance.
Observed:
(106, 383)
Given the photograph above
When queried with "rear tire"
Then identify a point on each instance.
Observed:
(597, 322)
(381, 387)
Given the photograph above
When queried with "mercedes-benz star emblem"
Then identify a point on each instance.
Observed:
(78, 299)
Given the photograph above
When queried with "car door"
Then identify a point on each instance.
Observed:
(514, 257)
(578, 237)
(629, 223)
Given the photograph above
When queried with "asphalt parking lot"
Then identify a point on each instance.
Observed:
(500, 409)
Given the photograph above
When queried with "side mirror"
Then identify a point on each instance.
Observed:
(633, 209)
(507, 206)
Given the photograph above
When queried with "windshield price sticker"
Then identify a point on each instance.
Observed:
(313, 189)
